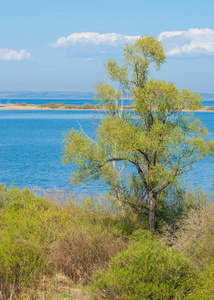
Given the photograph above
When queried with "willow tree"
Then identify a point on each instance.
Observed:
(141, 153)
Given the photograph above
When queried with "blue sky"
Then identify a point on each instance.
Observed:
(49, 45)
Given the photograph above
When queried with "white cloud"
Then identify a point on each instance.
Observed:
(193, 42)
(9, 54)
(93, 38)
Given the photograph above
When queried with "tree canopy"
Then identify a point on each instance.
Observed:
(139, 154)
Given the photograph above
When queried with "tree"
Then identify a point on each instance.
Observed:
(156, 143)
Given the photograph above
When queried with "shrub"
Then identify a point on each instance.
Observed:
(21, 264)
(195, 236)
(204, 287)
(81, 251)
(176, 202)
(146, 270)
(28, 224)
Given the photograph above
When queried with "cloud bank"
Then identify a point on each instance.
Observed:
(9, 54)
(95, 39)
(193, 42)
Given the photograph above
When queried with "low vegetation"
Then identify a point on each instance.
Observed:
(85, 106)
(211, 108)
(22, 104)
(96, 250)
(56, 105)
(59, 106)
(41, 238)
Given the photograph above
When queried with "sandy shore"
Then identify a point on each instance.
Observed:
(19, 107)
(34, 107)
(37, 107)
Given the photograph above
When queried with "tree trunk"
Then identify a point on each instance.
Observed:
(152, 212)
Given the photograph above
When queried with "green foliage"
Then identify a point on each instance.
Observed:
(137, 58)
(25, 233)
(146, 270)
(204, 286)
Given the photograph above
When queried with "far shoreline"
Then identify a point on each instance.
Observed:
(54, 106)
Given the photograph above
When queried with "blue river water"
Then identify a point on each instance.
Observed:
(31, 149)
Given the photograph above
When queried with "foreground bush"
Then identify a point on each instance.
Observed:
(146, 270)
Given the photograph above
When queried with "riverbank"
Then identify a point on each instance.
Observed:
(60, 106)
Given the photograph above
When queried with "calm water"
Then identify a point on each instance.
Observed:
(31, 147)
(63, 101)
(205, 103)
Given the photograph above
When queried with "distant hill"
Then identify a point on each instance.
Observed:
(46, 95)
(207, 96)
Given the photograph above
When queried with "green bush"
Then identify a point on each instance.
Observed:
(204, 287)
(25, 233)
(146, 270)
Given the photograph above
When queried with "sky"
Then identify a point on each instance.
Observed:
(61, 45)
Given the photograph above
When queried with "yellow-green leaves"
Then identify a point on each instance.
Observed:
(134, 70)
(77, 147)
(145, 50)
(119, 133)
(117, 73)
(108, 97)
(190, 101)
(165, 98)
